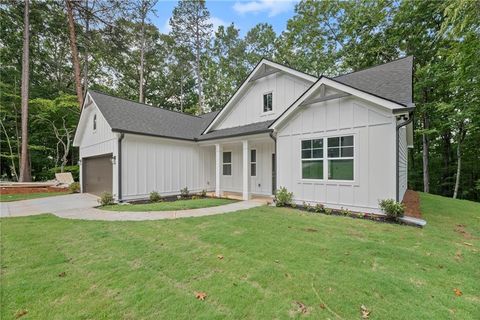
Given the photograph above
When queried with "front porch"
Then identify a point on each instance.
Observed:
(245, 167)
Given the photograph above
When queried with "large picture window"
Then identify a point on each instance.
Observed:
(227, 163)
(267, 102)
(312, 159)
(340, 151)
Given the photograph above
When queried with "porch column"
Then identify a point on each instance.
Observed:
(218, 168)
(246, 171)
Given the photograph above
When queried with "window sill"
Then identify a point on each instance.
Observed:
(328, 182)
(268, 113)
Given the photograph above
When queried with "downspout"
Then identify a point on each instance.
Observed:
(402, 124)
(119, 164)
(276, 158)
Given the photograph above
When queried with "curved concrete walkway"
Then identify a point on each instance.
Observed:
(82, 207)
(104, 215)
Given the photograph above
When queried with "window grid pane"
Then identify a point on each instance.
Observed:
(253, 169)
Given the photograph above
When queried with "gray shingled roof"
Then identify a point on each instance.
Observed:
(133, 117)
(392, 80)
(252, 128)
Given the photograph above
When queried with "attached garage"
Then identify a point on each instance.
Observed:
(97, 174)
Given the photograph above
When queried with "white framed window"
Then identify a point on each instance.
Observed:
(227, 163)
(94, 124)
(328, 158)
(312, 159)
(268, 102)
(253, 163)
(340, 157)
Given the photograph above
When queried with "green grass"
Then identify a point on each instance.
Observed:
(170, 205)
(27, 196)
(273, 257)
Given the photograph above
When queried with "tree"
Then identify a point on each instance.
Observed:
(74, 52)
(192, 29)
(226, 66)
(144, 9)
(25, 173)
(260, 43)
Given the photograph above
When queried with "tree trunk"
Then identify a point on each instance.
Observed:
(426, 146)
(198, 48)
(87, 43)
(141, 97)
(25, 173)
(461, 135)
(73, 47)
(459, 167)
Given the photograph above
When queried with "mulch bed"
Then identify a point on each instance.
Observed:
(23, 190)
(412, 204)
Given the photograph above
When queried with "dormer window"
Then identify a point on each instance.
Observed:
(268, 102)
(94, 122)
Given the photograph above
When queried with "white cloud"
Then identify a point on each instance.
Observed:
(215, 21)
(273, 7)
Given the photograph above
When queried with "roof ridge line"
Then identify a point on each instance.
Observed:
(371, 67)
(144, 104)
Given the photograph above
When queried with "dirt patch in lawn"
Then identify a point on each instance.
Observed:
(23, 190)
(412, 204)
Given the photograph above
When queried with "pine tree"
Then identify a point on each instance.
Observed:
(192, 30)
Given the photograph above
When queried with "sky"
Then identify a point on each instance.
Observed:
(243, 13)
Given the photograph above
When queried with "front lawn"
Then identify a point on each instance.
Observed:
(170, 205)
(27, 196)
(262, 263)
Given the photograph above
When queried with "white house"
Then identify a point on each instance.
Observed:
(337, 141)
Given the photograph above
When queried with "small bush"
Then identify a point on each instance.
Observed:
(319, 208)
(106, 199)
(344, 212)
(203, 193)
(195, 197)
(184, 193)
(328, 211)
(74, 187)
(392, 208)
(307, 206)
(155, 196)
(283, 198)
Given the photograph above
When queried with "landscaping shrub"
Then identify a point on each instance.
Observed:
(283, 198)
(74, 187)
(328, 211)
(203, 193)
(392, 208)
(155, 196)
(319, 208)
(106, 198)
(184, 193)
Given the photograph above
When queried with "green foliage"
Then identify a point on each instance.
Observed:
(74, 187)
(283, 198)
(392, 208)
(106, 199)
(184, 193)
(49, 174)
(328, 211)
(203, 193)
(319, 208)
(155, 196)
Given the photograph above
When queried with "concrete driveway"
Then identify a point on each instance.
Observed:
(48, 205)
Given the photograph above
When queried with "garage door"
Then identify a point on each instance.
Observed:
(97, 174)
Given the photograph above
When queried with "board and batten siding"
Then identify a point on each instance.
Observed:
(402, 162)
(374, 155)
(164, 165)
(98, 142)
(261, 183)
(248, 109)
